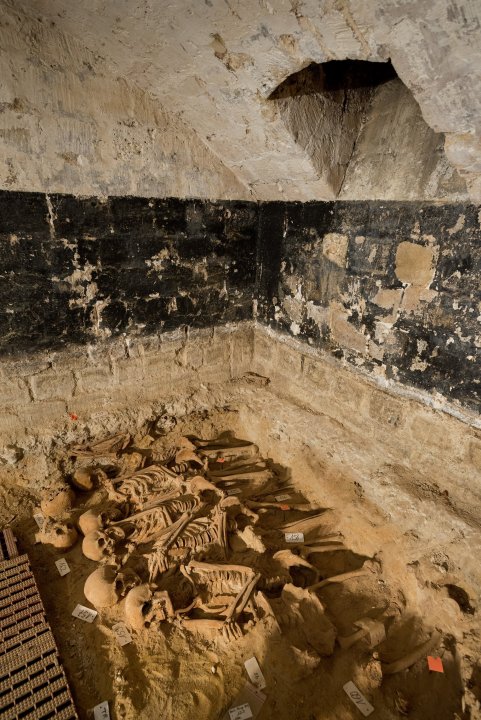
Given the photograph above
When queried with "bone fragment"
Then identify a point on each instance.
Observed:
(412, 657)
(338, 578)
(304, 525)
(306, 551)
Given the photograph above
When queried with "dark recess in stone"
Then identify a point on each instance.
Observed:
(335, 75)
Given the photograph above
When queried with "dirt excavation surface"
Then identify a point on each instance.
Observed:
(219, 537)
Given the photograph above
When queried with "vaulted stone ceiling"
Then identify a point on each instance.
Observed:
(215, 62)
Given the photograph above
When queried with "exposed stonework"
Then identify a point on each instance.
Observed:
(397, 155)
(82, 270)
(70, 124)
(390, 287)
(217, 63)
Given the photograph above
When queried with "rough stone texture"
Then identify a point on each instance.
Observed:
(397, 156)
(217, 63)
(70, 124)
(81, 270)
(91, 389)
(400, 298)
(390, 287)
(360, 411)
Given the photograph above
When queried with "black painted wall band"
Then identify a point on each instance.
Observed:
(76, 270)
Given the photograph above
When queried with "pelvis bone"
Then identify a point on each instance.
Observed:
(222, 591)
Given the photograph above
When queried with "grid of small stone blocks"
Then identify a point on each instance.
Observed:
(33, 685)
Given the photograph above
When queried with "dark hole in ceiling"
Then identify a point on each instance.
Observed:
(333, 76)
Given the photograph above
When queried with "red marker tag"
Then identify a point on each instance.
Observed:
(220, 459)
(73, 416)
(284, 507)
(435, 664)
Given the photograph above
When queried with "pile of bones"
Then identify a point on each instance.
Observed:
(198, 534)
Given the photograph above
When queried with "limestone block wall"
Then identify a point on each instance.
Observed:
(361, 419)
(53, 397)
(80, 270)
(70, 124)
(390, 287)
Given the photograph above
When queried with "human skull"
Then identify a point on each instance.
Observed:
(301, 571)
(57, 502)
(86, 477)
(100, 588)
(143, 607)
(89, 521)
(105, 586)
(61, 535)
(100, 545)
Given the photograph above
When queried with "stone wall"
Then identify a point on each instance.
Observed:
(392, 288)
(76, 271)
(55, 398)
(356, 414)
(217, 63)
(70, 124)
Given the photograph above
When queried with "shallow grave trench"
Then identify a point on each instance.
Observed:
(305, 647)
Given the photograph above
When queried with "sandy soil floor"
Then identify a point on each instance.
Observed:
(168, 672)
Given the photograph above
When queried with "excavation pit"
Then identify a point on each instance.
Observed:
(308, 642)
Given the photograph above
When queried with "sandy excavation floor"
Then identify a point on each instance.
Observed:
(298, 636)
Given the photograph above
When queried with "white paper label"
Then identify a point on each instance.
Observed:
(39, 519)
(62, 567)
(295, 537)
(85, 613)
(281, 498)
(234, 491)
(101, 711)
(241, 712)
(358, 698)
(122, 633)
(255, 673)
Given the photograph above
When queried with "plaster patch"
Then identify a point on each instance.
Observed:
(294, 308)
(415, 264)
(418, 364)
(388, 299)
(334, 248)
(157, 261)
(458, 226)
(317, 313)
(343, 332)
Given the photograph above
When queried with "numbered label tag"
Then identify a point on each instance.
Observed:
(85, 613)
(295, 537)
(281, 498)
(101, 711)
(255, 673)
(62, 567)
(122, 633)
(234, 491)
(241, 712)
(39, 519)
(358, 698)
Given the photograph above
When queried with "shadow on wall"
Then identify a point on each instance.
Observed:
(364, 133)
